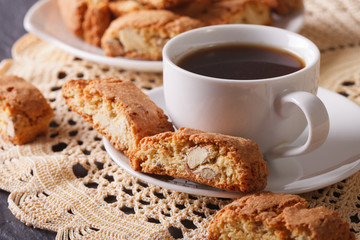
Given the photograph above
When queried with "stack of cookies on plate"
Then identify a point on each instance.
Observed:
(139, 28)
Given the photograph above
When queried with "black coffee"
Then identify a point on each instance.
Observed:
(241, 62)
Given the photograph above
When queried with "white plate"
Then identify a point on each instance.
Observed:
(43, 19)
(336, 160)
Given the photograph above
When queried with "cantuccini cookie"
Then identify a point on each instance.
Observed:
(142, 34)
(164, 4)
(277, 216)
(190, 9)
(225, 162)
(122, 7)
(284, 7)
(238, 11)
(87, 19)
(117, 109)
(72, 13)
(24, 112)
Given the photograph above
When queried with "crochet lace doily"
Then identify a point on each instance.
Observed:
(66, 182)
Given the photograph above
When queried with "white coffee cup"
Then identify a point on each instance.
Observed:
(273, 112)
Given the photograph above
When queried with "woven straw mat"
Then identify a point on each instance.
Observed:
(66, 182)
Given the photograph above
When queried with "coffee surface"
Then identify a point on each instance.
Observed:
(241, 62)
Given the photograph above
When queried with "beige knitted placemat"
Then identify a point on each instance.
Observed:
(66, 182)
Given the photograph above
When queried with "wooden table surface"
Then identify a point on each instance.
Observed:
(12, 13)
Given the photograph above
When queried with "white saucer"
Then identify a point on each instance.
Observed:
(43, 19)
(336, 160)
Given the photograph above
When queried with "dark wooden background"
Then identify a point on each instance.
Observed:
(12, 13)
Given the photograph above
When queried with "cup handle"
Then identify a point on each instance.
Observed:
(317, 118)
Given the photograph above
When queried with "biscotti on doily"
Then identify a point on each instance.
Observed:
(142, 34)
(87, 19)
(24, 112)
(276, 216)
(225, 162)
(117, 109)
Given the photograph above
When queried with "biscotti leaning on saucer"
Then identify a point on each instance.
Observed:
(116, 109)
(277, 216)
(142, 34)
(87, 19)
(24, 112)
(221, 161)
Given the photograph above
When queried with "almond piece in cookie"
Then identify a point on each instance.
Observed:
(24, 112)
(277, 216)
(221, 161)
(142, 34)
(116, 109)
(238, 11)
(87, 19)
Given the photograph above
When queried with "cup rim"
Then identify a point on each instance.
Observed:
(186, 34)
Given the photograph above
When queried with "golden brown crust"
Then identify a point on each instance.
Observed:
(190, 9)
(96, 21)
(284, 7)
(163, 4)
(24, 112)
(320, 223)
(268, 215)
(72, 13)
(238, 11)
(145, 18)
(117, 109)
(120, 8)
(86, 19)
(193, 8)
(142, 34)
(232, 163)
